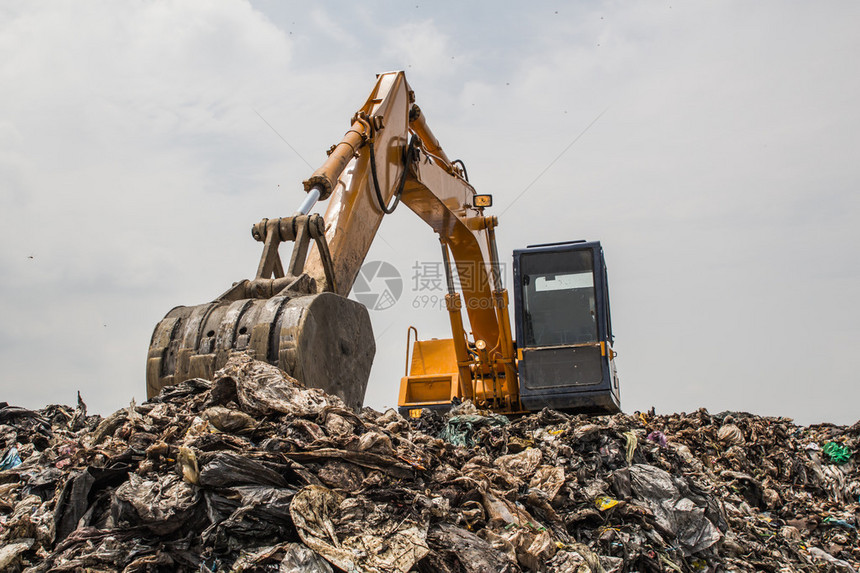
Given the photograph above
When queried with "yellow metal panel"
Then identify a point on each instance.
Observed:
(433, 374)
(433, 357)
(429, 389)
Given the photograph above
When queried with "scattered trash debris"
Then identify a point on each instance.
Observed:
(253, 472)
(658, 438)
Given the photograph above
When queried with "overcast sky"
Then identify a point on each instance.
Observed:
(721, 175)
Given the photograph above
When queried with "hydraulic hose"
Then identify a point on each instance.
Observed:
(463, 167)
(408, 156)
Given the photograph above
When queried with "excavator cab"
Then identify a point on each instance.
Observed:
(563, 328)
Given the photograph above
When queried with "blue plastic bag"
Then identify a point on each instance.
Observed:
(11, 459)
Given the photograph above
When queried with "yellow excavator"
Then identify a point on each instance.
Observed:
(298, 316)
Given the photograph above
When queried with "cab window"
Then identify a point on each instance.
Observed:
(559, 305)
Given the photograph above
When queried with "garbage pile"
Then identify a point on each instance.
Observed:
(254, 472)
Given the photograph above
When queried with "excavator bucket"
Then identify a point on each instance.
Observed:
(324, 340)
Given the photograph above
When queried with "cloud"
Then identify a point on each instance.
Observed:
(721, 177)
(422, 46)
